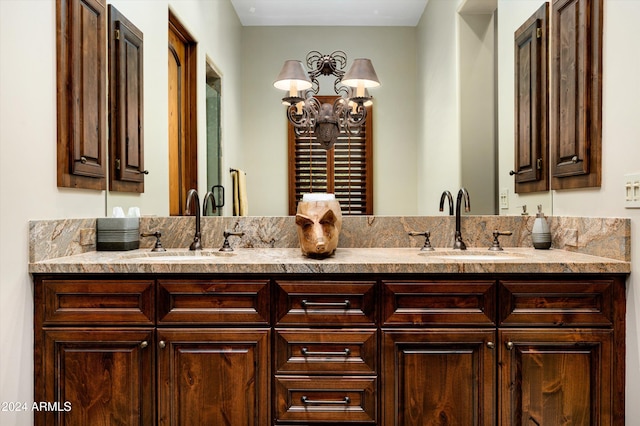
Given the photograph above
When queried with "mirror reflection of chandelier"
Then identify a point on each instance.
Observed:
(307, 114)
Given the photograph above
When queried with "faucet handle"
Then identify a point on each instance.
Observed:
(496, 244)
(225, 245)
(158, 245)
(427, 243)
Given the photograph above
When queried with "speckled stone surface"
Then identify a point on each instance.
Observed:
(345, 260)
(369, 244)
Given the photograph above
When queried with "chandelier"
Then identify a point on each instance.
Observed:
(326, 121)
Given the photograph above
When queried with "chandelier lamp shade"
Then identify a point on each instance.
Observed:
(326, 121)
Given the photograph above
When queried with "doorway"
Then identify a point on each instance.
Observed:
(214, 138)
(183, 155)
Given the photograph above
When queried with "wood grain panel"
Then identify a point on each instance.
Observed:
(213, 377)
(438, 303)
(438, 376)
(325, 303)
(213, 301)
(556, 377)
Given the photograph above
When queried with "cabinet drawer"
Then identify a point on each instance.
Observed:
(325, 303)
(98, 301)
(556, 303)
(438, 303)
(213, 301)
(335, 400)
(325, 351)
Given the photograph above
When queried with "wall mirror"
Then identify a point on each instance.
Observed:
(435, 127)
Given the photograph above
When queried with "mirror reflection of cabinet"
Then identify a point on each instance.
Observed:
(126, 105)
(531, 130)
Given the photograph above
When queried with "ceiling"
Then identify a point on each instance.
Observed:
(393, 13)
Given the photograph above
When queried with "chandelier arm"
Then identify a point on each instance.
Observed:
(340, 58)
(307, 118)
(349, 121)
(312, 58)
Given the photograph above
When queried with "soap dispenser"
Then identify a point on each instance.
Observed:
(541, 235)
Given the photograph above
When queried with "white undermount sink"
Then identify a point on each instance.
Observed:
(472, 255)
(178, 255)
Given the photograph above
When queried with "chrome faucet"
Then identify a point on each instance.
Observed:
(462, 193)
(446, 194)
(196, 244)
(209, 198)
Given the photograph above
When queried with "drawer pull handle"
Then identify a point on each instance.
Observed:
(346, 304)
(307, 352)
(344, 401)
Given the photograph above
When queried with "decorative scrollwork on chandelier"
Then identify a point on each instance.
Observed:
(326, 121)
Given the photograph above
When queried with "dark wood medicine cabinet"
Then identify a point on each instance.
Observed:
(86, 130)
(558, 97)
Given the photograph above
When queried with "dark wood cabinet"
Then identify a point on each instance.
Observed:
(326, 372)
(100, 344)
(438, 376)
(576, 94)
(81, 93)
(552, 377)
(561, 366)
(126, 105)
(213, 376)
(104, 376)
(392, 350)
(531, 99)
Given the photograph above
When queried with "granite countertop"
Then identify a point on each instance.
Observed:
(345, 260)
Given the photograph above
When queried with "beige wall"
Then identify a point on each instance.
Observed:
(264, 142)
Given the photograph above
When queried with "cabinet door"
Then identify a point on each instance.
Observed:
(531, 147)
(438, 376)
(213, 377)
(96, 377)
(126, 106)
(81, 93)
(554, 377)
(576, 94)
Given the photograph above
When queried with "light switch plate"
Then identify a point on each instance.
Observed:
(632, 191)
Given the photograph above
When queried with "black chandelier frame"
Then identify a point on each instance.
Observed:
(308, 115)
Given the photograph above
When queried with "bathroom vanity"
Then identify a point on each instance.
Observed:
(370, 336)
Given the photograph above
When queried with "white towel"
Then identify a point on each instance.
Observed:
(240, 202)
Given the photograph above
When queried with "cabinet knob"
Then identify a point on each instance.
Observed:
(144, 344)
(162, 344)
(83, 159)
(509, 346)
(491, 345)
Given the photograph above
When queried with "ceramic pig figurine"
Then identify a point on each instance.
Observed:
(319, 224)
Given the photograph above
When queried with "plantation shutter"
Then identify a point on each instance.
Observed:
(345, 170)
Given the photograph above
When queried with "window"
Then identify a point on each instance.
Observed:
(345, 170)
